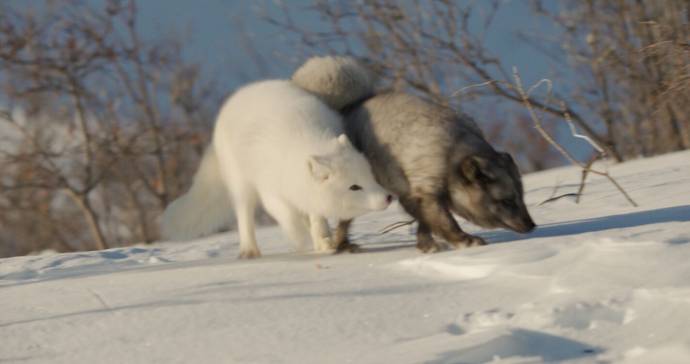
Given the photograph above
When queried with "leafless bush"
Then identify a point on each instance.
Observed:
(434, 49)
(585, 168)
(632, 59)
(631, 56)
(102, 128)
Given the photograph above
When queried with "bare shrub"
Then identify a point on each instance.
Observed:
(434, 49)
(102, 128)
(631, 61)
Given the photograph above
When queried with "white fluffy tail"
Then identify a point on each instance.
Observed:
(337, 81)
(204, 209)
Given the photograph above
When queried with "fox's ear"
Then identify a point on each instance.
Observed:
(506, 158)
(344, 141)
(320, 167)
(509, 162)
(472, 169)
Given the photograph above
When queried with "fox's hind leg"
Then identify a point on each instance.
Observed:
(245, 200)
(293, 222)
(320, 233)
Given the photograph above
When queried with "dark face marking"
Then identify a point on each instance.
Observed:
(488, 191)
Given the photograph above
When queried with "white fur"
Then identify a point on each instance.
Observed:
(338, 81)
(277, 144)
(204, 209)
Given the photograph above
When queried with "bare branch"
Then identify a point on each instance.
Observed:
(539, 126)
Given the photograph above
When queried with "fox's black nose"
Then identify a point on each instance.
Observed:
(528, 226)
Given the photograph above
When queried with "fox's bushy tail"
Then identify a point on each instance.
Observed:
(204, 209)
(337, 81)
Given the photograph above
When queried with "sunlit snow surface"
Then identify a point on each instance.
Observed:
(598, 281)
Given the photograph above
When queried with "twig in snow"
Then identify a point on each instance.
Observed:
(554, 198)
(395, 225)
(538, 125)
(585, 172)
(99, 298)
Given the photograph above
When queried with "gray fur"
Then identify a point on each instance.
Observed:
(437, 162)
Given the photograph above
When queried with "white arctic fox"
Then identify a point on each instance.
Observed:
(276, 144)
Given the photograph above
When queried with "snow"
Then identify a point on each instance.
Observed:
(598, 281)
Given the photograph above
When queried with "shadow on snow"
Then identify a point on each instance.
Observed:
(669, 214)
(520, 343)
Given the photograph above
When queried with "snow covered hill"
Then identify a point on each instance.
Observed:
(597, 282)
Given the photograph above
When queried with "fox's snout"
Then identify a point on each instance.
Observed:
(523, 225)
(382, 202)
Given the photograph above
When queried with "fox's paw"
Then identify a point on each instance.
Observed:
(475, 241)
(469, 241)
(250, 254)
(429, 246)
(324, 244)
(347, 247)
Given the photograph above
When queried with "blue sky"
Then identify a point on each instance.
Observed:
(208, 29)
(210, 33)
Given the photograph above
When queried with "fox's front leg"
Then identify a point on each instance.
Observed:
(442, 223)
(425, 241)
(320, 233)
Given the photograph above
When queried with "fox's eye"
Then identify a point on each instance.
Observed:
(355, 188)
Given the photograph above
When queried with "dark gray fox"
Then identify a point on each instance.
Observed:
(434, 159)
